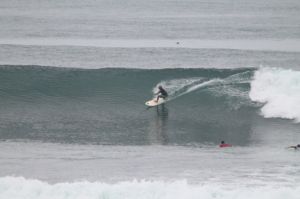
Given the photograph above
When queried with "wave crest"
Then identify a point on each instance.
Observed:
(279, 91)
(19, 188)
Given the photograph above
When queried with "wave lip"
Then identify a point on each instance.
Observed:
(20, 188)
(279, 91)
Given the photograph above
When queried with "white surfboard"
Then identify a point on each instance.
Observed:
(154, 103)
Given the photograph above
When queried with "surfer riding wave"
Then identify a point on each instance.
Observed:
(162, 93)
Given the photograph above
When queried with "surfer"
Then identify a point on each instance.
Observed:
(295, 147)
(223, 144)
(162, 93)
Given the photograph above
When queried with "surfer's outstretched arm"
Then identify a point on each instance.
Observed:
(294, 147)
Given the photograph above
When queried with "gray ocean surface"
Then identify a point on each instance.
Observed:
(150, 34)
(74, 77)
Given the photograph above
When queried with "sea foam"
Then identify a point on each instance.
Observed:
(20, 188)
(179, 87)
(279, 91)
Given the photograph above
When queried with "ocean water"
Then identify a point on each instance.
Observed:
(74, 77)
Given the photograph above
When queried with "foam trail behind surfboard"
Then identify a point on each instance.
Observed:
(175, 85)
(179, 87)
(198, 86)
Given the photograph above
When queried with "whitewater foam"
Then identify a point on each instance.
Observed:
(279, 91)
(175, 85)
(179, 87)
(20, 188)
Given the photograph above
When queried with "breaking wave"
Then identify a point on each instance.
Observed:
(107, 105)
(19, 188)
(279, 92)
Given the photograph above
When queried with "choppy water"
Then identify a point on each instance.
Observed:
(74, 77)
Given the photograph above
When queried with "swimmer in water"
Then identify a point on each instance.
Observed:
(223, 144)
(295, 147)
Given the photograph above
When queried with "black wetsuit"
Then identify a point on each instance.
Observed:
(163, 94)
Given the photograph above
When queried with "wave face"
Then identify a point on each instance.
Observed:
(17, 188)
(107, 105)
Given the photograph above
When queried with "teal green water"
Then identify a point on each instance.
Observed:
(106, 106)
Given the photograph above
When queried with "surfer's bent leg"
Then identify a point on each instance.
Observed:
(158, 98)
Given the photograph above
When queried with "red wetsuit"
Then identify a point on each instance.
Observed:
(225, 145)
